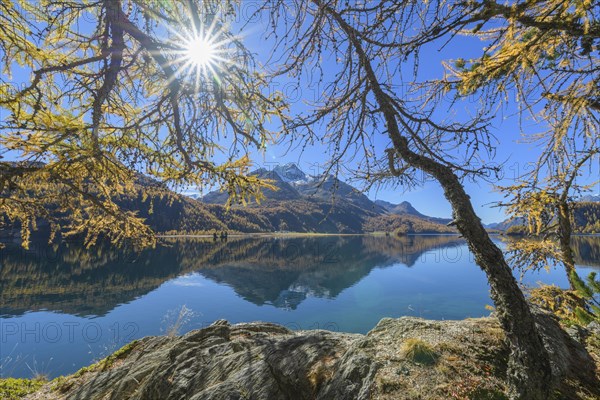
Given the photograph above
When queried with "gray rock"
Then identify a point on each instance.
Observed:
(594, 327)
(246, 361)
(266, 361)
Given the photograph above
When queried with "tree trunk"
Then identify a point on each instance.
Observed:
(564, 237)
(529, 367)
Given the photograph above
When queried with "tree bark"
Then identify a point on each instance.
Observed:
(564, 237)
(529, 367)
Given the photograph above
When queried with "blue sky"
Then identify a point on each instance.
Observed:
(428, 198)
(511, 151)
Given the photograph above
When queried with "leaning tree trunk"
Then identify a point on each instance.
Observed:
(564, 238)
(529, 368)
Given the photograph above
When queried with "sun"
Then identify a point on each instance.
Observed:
(201, 52)
(202, 55)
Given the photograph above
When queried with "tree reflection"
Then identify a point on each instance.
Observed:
(281, 272)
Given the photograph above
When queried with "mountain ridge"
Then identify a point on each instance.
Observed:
(302, 203)
(295, 184)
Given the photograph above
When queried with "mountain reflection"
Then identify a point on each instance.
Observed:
(586, 250)
(281, 272)
(277, 271)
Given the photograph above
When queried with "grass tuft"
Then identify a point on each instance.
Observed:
(419, 351)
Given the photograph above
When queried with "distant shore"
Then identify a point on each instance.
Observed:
(304, 234)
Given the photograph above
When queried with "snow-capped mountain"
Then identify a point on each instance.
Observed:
(290, 173)
(295, 184)
(300, 198)
(590, 198)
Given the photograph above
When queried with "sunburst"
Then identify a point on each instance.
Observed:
(203, 51)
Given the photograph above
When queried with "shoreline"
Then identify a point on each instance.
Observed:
(305, 234)
(13, 237)
(399, 359)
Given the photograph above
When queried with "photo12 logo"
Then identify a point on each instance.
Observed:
(65, 332)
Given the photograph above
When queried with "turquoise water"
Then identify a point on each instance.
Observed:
(64, 307)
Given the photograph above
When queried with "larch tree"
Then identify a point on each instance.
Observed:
(371, 93)
(546, 56)
(95, 95)
(546, 201)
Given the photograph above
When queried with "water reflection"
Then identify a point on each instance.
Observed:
(284, 272)
(63, 307)
(586, 250)
(277, 271)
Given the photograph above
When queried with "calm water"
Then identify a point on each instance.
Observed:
(64, 307)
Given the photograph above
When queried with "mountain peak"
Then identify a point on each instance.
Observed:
(407, 208)
(290, 172)
(590, 198)
(402, 208)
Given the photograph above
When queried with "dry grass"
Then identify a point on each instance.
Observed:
(419, 351)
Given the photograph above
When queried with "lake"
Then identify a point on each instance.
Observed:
(64, 307)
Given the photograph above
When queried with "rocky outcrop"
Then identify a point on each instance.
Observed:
(259, 361)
